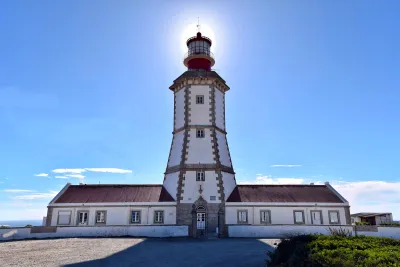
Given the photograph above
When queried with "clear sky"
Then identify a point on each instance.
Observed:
(315, 89)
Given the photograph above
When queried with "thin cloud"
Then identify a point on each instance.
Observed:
(17, 190)
(79, 176)
(68, 170)
(267, 179)
(42, 175)
(60, 177)
(109, 170)
(33, 196)
(80, 171)
(286, 165)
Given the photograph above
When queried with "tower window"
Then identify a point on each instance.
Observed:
(200, 133)
(200, 99)
(213, 198)
(200, 176)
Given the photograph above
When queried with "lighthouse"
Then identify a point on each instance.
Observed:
(199, 174)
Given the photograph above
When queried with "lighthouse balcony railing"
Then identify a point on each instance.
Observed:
(198, 53)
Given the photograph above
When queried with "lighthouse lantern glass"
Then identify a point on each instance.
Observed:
(198, 48)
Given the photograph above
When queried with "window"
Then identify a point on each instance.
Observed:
(199, 99)
(83, 217)
(64, 218)
(242, 216)
(101, 216)
(334, 217)
(200, 133)
(135, 216)
(298, 216)
(213, 198)
(200, 176)
(265, 216)
(158, 216)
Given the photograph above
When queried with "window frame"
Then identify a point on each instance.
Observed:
(200, 130)
(105, 217)
(330, 218)
(320, 214)
(238, 217)
(197, 176)
(214, 198)
(155, 217)
(77, 217)
(294, 217)
(200, 97)
(131, 217)
(58, 217)
(269, 216)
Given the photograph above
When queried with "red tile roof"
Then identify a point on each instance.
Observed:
(283, 193)
(114, 193)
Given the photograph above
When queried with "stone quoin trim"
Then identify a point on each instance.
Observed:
(179, 194)
(193, 167)
(214, 140)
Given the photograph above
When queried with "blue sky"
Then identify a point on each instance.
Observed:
(84, 84)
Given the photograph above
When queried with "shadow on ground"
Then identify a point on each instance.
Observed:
(186, 252)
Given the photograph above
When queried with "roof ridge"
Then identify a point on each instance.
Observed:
(281, 185)
(99, 185)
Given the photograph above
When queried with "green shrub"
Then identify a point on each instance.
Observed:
(362, 223)
(320, 250)
(4, 226)
(28, 226)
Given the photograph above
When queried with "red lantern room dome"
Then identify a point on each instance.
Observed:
(199, 56)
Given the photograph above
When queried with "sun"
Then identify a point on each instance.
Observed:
(191, 30)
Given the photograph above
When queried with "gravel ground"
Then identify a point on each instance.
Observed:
(84, 252)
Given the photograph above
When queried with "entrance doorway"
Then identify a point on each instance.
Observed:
(201, 221)
(316, 217)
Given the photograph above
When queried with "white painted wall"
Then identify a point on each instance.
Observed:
(98, 231)
(279, 231)
(176, 151)
(171, 183)
(229, 183)
(200, 113)
(118, 215)
(224, 156)
(279, 215)
(200, 149)
(219, 109)
(180, 109)
(191, 187)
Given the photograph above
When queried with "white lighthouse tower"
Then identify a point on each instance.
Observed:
(199, 173)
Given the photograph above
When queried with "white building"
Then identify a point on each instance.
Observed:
(372, 218)
(199, 188)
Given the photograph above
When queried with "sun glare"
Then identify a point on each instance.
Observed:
(191, 30)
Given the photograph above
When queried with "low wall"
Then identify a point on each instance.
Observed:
(282, 231)
(96, 231)
(279, 231)
(392, 232)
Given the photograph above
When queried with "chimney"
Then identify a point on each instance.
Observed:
(311, 183)
(326, 183)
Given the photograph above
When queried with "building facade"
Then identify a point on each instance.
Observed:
(199, 187)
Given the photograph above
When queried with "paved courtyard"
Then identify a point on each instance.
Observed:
(83, 252)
